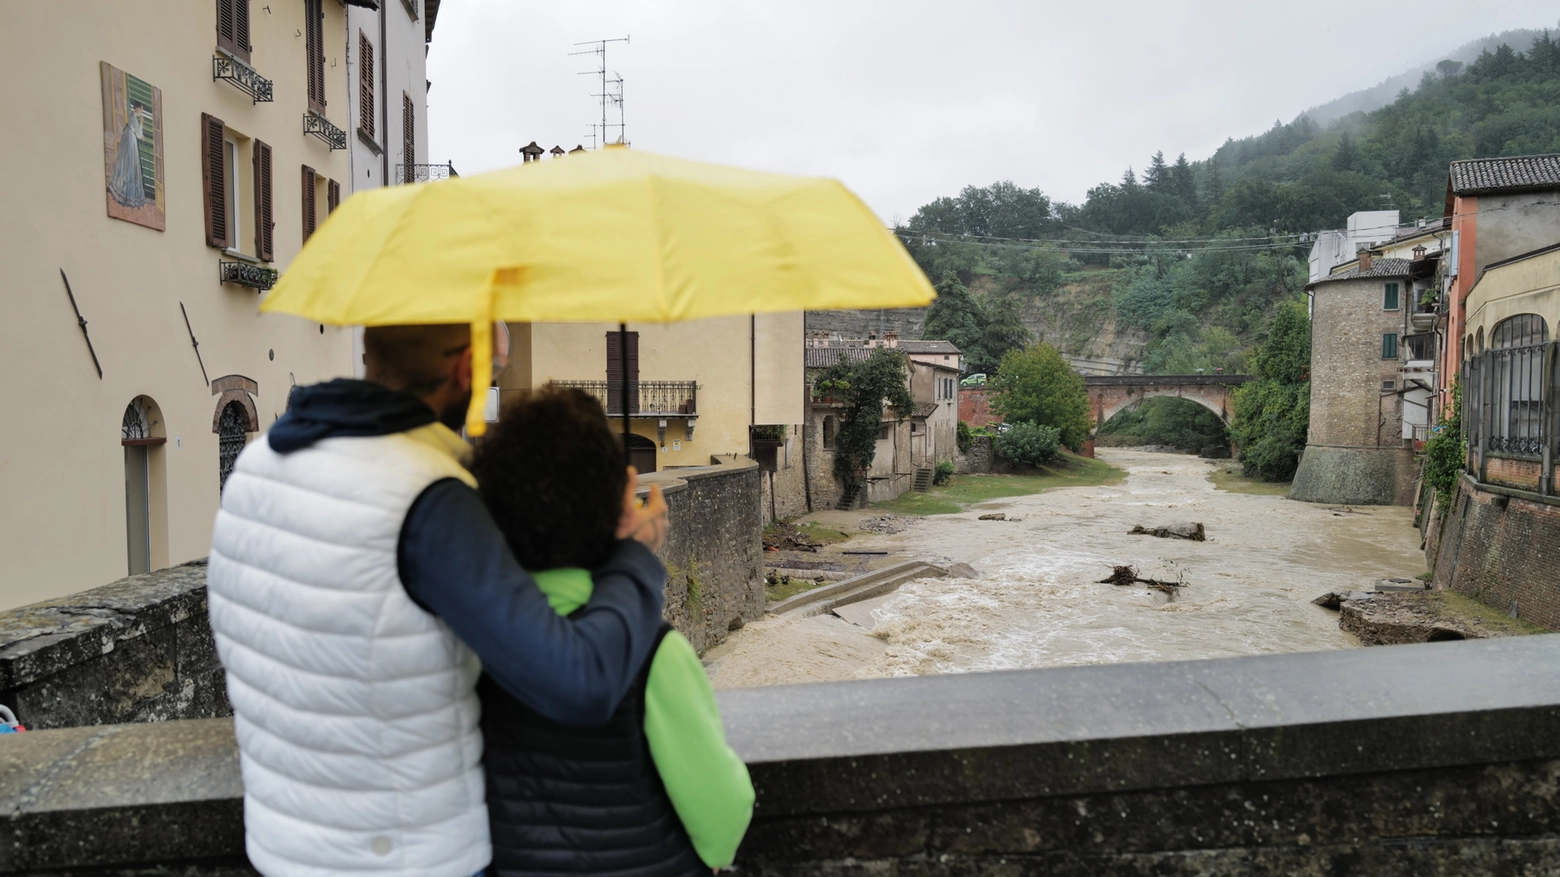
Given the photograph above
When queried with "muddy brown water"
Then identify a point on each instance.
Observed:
(1037, 603)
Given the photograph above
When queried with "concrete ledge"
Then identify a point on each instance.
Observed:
(1395, 758)
(844, 592)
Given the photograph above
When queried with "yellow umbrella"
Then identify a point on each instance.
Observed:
(614, 236)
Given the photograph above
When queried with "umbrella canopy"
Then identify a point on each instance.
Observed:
(612, 236)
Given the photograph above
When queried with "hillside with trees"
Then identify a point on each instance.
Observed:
(1180, 264)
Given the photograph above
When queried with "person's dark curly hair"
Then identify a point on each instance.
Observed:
(553, 475)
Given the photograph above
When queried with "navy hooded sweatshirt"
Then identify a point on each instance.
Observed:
(455, 564)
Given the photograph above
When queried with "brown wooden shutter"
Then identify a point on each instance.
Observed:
(213, 173)
(365, 85)
(308, 201)
(233, 27)
(264, 224)
(408, 136)
(314, 50)
(615, 372)
(332, 197)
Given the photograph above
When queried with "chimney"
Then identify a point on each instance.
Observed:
(891, 339)
(1364, 260)
(1419, 252)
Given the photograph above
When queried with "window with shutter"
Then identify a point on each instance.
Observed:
(264, 225)
(408, 137)
(332, 197)
(213, 171)
(365, 85)
(233, 27)
(615, 372)
(309, 178)
(1389, 345)
(314, 49)
(1389, 297)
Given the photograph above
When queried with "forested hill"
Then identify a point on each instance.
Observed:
(1178, 265)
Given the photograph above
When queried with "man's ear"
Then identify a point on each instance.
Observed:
(462, 372)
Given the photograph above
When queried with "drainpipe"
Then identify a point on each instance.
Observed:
(384, 95)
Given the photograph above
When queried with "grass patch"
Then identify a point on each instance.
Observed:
(775, 592)
(1459, 605)
(1229, 478)
(821, 534)
(968, 490)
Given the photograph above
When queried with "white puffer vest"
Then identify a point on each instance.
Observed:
(355, 710)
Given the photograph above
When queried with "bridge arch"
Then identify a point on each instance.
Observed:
(1111, 394)
(1220, 409)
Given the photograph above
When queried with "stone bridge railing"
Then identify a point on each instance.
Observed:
(1406, 760)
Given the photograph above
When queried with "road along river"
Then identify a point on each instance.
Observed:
(1036, 601)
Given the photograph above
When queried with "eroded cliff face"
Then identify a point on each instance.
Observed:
(1077, 319)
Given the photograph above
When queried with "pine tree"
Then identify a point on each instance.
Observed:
(1156, 178)
(1184, 183)
(1343, 158)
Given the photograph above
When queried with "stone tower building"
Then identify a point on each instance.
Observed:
(1355, 452)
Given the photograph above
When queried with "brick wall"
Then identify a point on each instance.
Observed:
(1502, 550)
(975, 407)
(1521, 474)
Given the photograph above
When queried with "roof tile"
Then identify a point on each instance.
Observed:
(1518, 174)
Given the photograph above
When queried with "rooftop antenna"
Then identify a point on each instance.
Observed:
(611, 89)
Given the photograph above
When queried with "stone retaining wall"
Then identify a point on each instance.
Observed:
(140, 649)
(1401, 760)
(1501, 549)
(979, 458)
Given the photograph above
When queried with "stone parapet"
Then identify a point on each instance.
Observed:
(137, 650)
(1400, 760)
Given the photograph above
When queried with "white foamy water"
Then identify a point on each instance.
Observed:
(1037, 602)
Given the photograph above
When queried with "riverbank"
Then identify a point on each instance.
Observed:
(1036, 600)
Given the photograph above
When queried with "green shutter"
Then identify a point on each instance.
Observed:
(1390, 300)
(1389, 346)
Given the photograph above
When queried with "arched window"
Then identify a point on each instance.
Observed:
(138, 435)
(641, 454)
(1523, 330)
(232, 430)
(1478, 340)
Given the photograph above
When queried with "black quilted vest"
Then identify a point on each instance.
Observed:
(567, 800)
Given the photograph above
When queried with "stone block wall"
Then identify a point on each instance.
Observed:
(713, 552)
(137, 650)
(140, 649)
(1502, 550)
(979, 458)
(820, 481)
(1355, 476)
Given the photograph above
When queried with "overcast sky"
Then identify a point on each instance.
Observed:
(910, 100)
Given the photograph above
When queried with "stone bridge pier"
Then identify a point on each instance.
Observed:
(1109, 394)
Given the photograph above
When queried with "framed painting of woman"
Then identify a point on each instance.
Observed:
(133, 148)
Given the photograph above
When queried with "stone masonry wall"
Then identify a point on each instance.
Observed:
(140, 649)
(713, 552)
(979, 458)
(1503, 551)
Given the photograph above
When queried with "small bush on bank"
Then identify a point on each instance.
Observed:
(1030, 444)
(943, 473)
(963, 437)
(1446, 452)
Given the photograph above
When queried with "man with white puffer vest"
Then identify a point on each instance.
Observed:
(357, 588)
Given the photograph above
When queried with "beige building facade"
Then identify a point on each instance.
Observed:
(697, 388)
(163, 174)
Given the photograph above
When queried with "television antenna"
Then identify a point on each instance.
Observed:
(611, 93)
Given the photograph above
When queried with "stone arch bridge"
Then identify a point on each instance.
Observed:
(1109, 394)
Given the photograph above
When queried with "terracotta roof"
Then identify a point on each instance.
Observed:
(1378, 268)
(823, 357)
(1520, 174)
(928, 347)
(924, 409)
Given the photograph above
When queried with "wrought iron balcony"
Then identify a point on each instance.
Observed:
(243, 77)
(246, 274)
(645, 398)
(319, 126)
(424, 173)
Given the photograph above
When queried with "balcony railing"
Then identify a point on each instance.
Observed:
(243, 77)
(424, 173)
(319, 126)
(245, 274)
(646, 398)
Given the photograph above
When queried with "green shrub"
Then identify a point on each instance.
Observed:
(943, 473)
(964, 437)
(1030, 444)
(1446, 452)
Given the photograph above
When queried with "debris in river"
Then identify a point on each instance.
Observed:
(1193, 531)
(885, 525)
(788, 537)
(1128, 575)
(999, 516)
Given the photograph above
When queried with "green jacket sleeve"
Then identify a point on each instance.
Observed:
(707, 782)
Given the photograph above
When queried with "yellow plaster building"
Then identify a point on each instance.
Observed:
(159, 164)
(696, 388)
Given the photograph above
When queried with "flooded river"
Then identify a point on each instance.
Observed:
(1036, 601)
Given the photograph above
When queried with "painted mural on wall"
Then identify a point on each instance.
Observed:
(133, 148)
